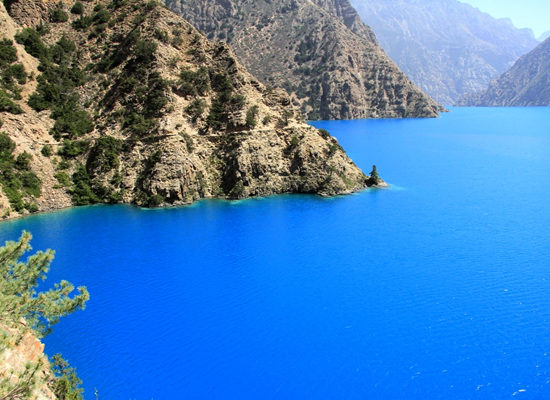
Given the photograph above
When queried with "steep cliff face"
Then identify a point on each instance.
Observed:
(447, 47)
(319, 51)
(124, 101)
(527, 83)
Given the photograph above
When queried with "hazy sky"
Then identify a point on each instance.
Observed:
(534, 14)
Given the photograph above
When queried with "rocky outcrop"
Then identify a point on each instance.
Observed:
(527, 83)
(22, 357)
(319, 51)
(447, 47)
(148, 111)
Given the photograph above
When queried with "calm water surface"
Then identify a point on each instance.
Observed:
(436, 288)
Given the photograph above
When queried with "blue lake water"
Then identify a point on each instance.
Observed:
(437, 288)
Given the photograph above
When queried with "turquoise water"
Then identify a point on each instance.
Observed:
(438, 288)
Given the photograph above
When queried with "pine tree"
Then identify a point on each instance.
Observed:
(18, 282)
(22, 308)
(374, 175)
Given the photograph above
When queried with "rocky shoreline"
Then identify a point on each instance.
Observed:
(380, 185)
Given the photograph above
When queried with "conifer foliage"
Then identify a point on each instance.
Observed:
(24, 309)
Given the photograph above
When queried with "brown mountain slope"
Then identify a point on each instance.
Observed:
(124, 101)
(319, 51)
(527, 83)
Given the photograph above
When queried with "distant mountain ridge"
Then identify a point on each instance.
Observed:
(544, 36)
(318, 50)
(527, 83)
(447, 47)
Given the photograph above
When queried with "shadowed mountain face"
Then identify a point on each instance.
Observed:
(319, 51)
(446, 47)
(527, 83)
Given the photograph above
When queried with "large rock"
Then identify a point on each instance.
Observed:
(19, 351)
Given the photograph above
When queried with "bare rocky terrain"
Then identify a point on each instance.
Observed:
(526, 84)
(318, 51)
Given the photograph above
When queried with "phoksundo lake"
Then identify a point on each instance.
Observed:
(437, 288)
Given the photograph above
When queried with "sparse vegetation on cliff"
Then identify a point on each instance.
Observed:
(19, 183)
(119, 82)
(12, 75)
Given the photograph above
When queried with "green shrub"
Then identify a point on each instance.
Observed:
(237, 102)
(67, 384)
(161, 35)
(193, 83)
(82, 23)
(63, 165)
(8, 53)
(195, 109)
(78, 8)
(23, 161)
(7, 146)
(152, 4)
(73, 122)
(294, 141)
(104, 154)
(115, 4)
(47, 150)
(155, 99)
(188, 142)
(251, 116)
(144, 52)
(58, 14)
(62, 178)
(17, 71)
(101, 17)
(11, 75)
(16, 177)
(324, 133)
(14, 197)
(7, 105)
(81, 191)
(31, 185)
(73, 148)
(374, 177)
(217, 116)
(31, 207)
(221, 83)
(32, 42)
(139, 125)
(56, 89)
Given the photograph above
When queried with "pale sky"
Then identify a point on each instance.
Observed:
(534, 14)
